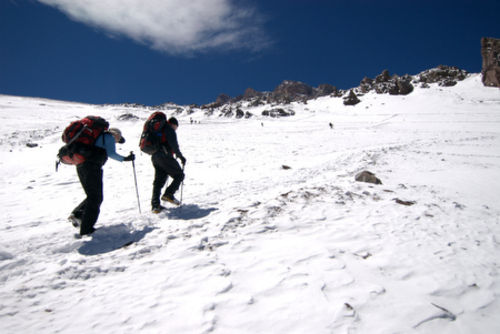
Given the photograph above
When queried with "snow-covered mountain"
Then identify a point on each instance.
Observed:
(256, 247)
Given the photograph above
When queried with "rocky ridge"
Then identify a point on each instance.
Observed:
(295, 91)
(289, 91)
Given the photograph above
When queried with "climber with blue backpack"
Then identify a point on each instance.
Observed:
(89, 143)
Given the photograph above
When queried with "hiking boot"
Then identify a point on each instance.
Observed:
(157, 209)
(88, 231)
(171, 199)
(76, 222)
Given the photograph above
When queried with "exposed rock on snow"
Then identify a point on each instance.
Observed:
(445, 76)
(490, 51)
(367, 176)
(278, 112)
(351, 99)
(285, 93)
(402, 202)
(387, 84)
(327, 89)
(127, 117)
(291, 91)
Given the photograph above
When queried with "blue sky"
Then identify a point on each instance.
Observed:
(156, 51)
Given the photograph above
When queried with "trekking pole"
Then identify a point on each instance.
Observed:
(136, 188)
(182, 184)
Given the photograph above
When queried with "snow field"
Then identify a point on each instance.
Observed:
(257, 248)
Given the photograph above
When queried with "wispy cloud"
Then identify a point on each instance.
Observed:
(173, 26)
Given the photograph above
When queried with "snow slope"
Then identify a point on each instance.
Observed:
(257, 248)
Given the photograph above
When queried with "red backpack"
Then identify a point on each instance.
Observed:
(79, 136)
(152, 135)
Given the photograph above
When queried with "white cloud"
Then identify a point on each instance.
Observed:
(172, 26)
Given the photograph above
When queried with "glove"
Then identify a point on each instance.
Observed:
(131, 157)
(183, 160)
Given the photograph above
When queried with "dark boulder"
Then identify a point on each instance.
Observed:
(367, 176)
(366, 85)
(384, 83)
(442, 74)
(278, 112)
(351, 99)
(239, 113)
(404, 85)
(383, 77)
(448, 83)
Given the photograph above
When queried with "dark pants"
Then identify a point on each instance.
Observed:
(90, 175)
(165, 165)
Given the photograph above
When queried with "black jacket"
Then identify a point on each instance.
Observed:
(171, 144)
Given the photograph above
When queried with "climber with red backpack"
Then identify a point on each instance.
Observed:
(160, 141)
(89, 143)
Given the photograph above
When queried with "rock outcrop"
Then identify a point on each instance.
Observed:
(351, 99)
(490, 51)
(291, 91)
(367, 176)
(251, 93)
(325, 90)
(295, 91)
(278, 112)
(445, 76)
(385, 83)
(286, 92)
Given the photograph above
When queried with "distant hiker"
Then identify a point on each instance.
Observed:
(90, 174)
(159, 139)
(331, 125)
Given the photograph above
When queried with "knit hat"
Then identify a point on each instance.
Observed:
(118, 133)
(173, 121)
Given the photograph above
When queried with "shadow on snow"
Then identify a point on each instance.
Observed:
(109, 238)
(188, 212)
